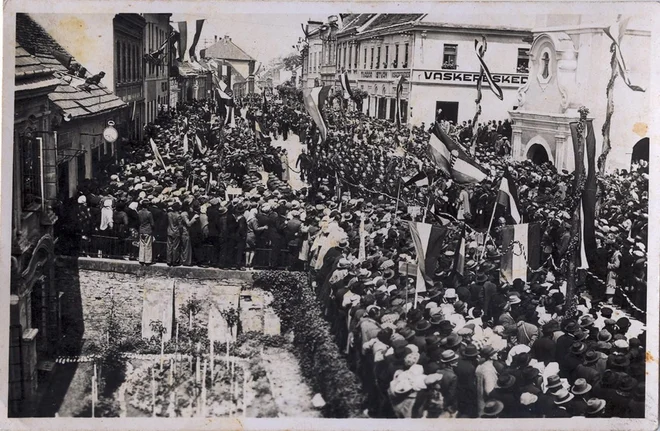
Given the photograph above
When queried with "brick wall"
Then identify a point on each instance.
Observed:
(90, 286)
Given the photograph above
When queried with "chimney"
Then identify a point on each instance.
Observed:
(227, 38)
(216, 38)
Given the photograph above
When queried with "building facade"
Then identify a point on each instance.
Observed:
(58, 141)
(566, 53)
(129, 83)
(224, 49)
(157, 73)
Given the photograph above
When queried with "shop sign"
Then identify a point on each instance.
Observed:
(468, 78)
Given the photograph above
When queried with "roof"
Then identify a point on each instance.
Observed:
(377, 23)
(353, 22)
(387, 20)
(35, 56)
(225, 49)
(504, 22)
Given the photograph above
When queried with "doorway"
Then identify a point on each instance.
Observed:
(449, 111)
(537, 154)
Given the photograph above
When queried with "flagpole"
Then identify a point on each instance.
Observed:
(398, 196)
(490, 225)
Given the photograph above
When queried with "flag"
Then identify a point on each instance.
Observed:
(588, 255)
(155, 56)
(427, 239)
(362, 251)
(264, 102)
(157, 155)
(508, 197)
(615, 32)
(346, 86)
(200, 146)
(480, 49)
(420, 179)
(208, 183)
(229, 118)
(397, 114)
(314, 99)
(198, 31)
(452, 159)
(521, 247)
(183, 39)
(185, 144)
(459, 254)
(134, 108)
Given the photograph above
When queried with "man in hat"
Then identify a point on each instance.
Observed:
(174, 226)
(467, 382)
(449, 385)
(506, 393)
(486, 376)
(145, 230)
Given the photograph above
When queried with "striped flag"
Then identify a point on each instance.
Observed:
(157, 155)
(183, 39)
(346, 86)
(452, 159)
(508, 197)
(399, 90)
(420, 179)
(459, 255)
(259, 130)
(480, 49)
(229, 118)
(186, 148)
(616, 32)
(314, 99)
(200, 145)
(428, 240)
(588, 207)
(522, 244)
(198, 31)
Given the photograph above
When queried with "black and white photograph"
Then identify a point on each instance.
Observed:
(329, 212)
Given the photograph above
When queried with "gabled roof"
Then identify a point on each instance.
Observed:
(225, 49)
(35, 53)
(353, 22)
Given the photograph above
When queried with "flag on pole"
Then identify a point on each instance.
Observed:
(259, 130)
(420, 179)
(198, 31)
(588, 256)
(427, 239)
(264, 102)
(452, 159)
(459, 254)
(314, 99)
(521, 247)
(480, 49)
(616, 32)
(157, 155)
(186, 148)
(134, 108)
(508, 197)
(200, 145)
(346, 86)
(362, 252)
(183, 39)
(399, 90)
(229, 118)
(156, 56)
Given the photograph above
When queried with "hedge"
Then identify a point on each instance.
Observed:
(321, 363)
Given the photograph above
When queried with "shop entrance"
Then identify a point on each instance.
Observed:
(449, 111)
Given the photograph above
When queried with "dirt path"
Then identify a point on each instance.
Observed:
(292, 395)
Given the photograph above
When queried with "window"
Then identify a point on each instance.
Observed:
(343, 62)
(523, 60)
(365, 58)
(124, 53)
(350, 56)
(449, 56)
(405, 56)
(396, 56)
(118, 61)
(31, 170)
(371, 63)
(357, 54)
(378, 59)
(387, 57)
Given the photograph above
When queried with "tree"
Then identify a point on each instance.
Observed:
(292, 61)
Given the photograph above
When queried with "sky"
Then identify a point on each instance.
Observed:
(262, 36)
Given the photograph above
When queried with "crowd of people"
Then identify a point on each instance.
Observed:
(472, 345)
